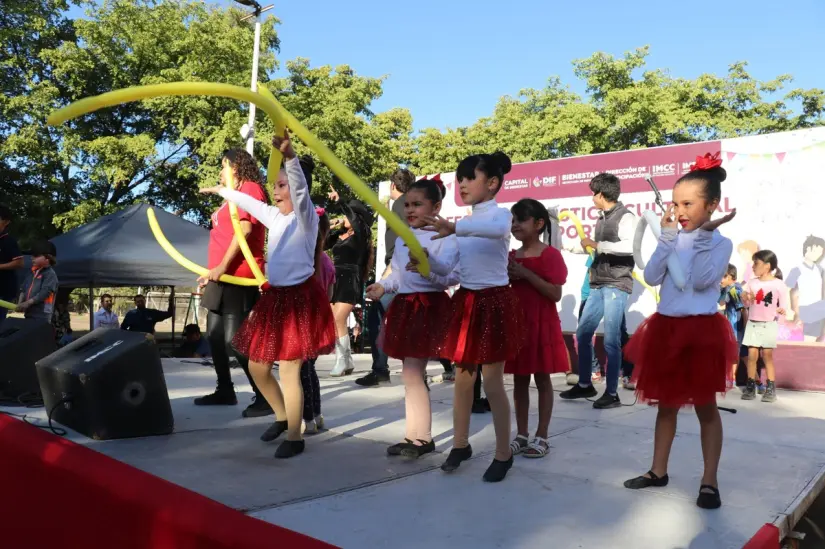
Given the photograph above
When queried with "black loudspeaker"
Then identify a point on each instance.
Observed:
(22, 343)
(108, 384)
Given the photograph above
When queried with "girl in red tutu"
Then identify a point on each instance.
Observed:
(417, 317)
(292, 321)
(537, 273)
(683, 352)
(487, 325)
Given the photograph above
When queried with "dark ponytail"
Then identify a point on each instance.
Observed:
(767, 256)
(528, 208)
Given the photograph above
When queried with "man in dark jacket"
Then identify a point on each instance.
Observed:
(611, 283)
(400, 182)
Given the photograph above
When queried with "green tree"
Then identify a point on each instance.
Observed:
(625, 107)
(29, 29)
(161, 150)
(335, 105)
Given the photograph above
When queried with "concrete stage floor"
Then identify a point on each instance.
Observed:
(345, 490)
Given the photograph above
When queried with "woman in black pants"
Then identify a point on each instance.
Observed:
(229, 305)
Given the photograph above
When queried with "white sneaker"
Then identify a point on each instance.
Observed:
(310, 427)
(319, 421)
(572, 379)
(628, 384)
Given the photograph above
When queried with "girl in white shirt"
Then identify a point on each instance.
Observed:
(292, 321)
(683, 352)
(486, 324)
(417, 317)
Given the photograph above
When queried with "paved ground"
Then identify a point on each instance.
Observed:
(345, 489)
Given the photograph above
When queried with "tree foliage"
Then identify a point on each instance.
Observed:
(626, 106)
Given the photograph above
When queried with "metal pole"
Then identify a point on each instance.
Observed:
(250, 138)
(91, 307)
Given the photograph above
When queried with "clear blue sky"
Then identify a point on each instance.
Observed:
(448, 61)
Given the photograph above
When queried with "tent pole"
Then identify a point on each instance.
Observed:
(174, 315)
(91, 308)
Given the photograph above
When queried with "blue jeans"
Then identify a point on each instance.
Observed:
(608, 304)
(375, 320)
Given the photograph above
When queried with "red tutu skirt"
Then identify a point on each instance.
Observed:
(288, 323)
(682, 361)
(415, 325)
(486, 326)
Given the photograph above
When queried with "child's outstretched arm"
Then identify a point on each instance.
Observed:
(498, 227)
(656, 268)
(448, 281)
(442, 255)
(711, 260)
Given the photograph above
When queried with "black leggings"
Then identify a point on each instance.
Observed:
(220, 329)
(312, 390)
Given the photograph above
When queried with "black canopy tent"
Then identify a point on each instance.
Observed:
(120, 250)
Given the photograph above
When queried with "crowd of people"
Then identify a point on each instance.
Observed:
(482, 307)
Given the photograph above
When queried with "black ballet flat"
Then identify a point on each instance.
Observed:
(416, 451)
(274, 431)
(289, 448)
(498, 470)
(644, 482)
(709, 499)
(457, 455)
(396, 449)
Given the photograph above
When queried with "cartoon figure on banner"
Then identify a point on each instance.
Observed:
(806, 282)
(746, 250)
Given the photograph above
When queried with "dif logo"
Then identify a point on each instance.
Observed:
(663, 169)
(547, 181)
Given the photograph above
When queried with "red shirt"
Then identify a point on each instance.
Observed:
(222, 233)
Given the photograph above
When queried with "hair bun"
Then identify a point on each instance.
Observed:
(503, 161)
(307, 163)
(718, 173)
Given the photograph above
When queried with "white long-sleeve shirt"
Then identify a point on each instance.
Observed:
(627, 231)
(483, 245)
(704, 257)
(292, 237)
(402, 281)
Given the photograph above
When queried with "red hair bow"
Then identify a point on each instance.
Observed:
(320, 211)
(440, 184)
(707, 162)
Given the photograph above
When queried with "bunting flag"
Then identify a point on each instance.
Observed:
(780, 156)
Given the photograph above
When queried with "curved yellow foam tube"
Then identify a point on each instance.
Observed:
(275, 156)
(7, 305)
(362, 190)
(239, 236)
(274, 110)
(185, 263)
(567, 214)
